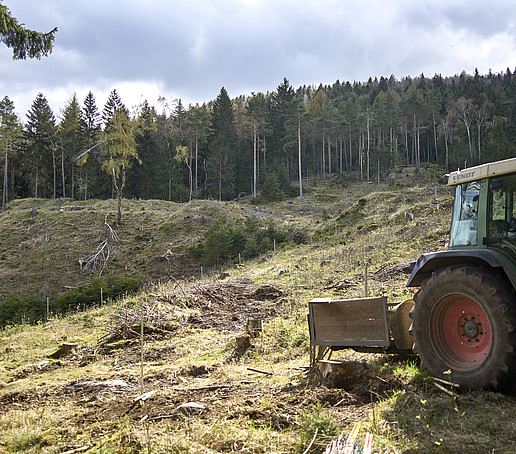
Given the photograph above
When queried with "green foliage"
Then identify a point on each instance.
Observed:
(432, 173)
(223, 242)
(209, 151)
(25, 441)
(86, 295)
(316, 417)
(414, 371)
(23, 41)
(271, 191)
(14, 309)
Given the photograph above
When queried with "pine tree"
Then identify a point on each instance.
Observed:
(71, 133)
(24, 42)
(113, 103)
(40, 134)
(284, 125)
(143, 179)
(90, 168)
(221, 161)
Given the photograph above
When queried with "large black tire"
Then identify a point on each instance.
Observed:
(464, 327)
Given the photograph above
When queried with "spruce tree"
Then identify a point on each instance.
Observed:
(40, 135)
(223, 146)
(23, 41)
(113, 103)
(89, 166)
(71, 133)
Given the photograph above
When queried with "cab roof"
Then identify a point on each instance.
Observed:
(490, 169)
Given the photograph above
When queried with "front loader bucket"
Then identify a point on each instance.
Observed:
(363, 324)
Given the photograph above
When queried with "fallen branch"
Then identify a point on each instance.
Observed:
(113, 236)
(444, 390)
(312, 442)
(141, 398)
(252, 369)
(203, 388)
(73, 451)
(445, 382)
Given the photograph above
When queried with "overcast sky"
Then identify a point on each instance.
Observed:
(189, 49)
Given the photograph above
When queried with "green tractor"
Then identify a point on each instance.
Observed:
(462, 322)
(464, 317)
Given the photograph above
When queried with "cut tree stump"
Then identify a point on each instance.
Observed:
(340, 374)
(243, 341)
(64, 350)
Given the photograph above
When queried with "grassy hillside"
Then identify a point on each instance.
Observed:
(42, 242)
(206, 393)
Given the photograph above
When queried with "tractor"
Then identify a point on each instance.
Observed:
(462, 320)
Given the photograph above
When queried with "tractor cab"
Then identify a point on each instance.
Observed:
(484, 213)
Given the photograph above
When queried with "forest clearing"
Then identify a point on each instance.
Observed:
(193, 386)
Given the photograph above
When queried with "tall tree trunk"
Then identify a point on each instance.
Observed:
(63, 172)
(323, 158)
(368, 146)
(299, 156)
(220, 181)
(190, 173)
(406, 143)
(119, 192)
(418, 149)
(360, 153)
(329, 158)
(4, 191)
(414, 142)
(86, 184)
(341, 163)
(54, 169)
(350, 152)
(435, 138)
(196, 161)
(255, 169)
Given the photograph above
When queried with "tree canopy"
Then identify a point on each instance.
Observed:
(23, 41)
(266, 145)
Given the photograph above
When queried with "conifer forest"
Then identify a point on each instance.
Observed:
(263, 145)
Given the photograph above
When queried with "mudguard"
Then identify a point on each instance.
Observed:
(428, 263)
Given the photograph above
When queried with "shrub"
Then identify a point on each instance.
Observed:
(223, 242)
(271, 191)
(87, 295)
(15, 310)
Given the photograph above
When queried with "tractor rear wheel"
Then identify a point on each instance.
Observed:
(464, 327)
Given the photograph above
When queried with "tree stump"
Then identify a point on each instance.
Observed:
(64, 350)
(254, 327)
(243, 341)
(340, 374)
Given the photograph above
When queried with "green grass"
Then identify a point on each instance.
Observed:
(246, 411)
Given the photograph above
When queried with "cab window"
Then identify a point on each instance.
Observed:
(465, 215)
(501, 224)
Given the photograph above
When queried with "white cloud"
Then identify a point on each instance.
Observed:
(191, 49)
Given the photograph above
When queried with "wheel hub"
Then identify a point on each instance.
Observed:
(471, 329)
(460, 331)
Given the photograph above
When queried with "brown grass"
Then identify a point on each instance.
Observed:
(47, 407)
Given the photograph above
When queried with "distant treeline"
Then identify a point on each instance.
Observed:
(232, 146)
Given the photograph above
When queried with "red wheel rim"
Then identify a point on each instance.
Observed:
(460, 332)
